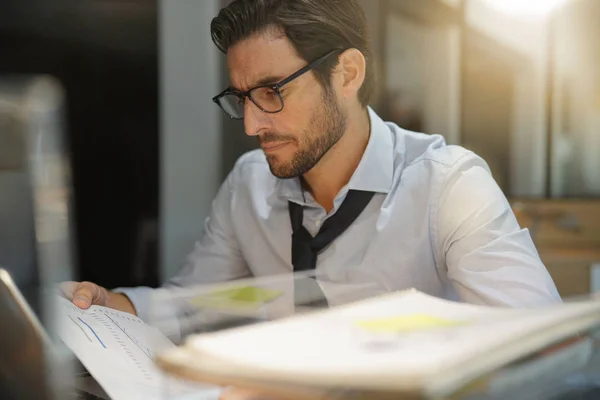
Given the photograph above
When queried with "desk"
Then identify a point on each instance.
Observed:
(567, 236)
(583, 384)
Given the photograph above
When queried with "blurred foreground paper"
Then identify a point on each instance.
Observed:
(181, 311)
(405, 343)
(243, 297)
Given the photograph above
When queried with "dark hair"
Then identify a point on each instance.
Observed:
(314, 27)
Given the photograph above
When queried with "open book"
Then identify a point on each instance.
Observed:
(404, 342)
(118, 350)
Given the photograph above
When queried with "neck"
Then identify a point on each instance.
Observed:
(334, 170)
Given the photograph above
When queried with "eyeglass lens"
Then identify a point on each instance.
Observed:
(265, 98)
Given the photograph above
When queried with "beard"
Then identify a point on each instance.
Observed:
(326, 128)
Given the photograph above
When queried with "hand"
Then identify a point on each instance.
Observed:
(243, 394)
(235, 393)
(86, 294)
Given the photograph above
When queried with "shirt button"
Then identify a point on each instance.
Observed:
(318, 223)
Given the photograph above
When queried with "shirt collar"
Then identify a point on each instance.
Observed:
(374, 172)
(376, 168)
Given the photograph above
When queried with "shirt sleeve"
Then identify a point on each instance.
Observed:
(490, 259)
(216, 257)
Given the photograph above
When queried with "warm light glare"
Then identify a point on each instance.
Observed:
(526, 8)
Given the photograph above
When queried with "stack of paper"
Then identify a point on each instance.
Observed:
(405, 342)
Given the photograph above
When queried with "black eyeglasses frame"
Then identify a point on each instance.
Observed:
(276, 87)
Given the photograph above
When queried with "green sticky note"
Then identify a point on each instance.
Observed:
(406, 323)
(246, 297)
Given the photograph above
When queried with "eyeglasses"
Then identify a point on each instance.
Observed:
(265, 97)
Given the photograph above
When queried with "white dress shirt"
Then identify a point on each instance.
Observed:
(438, 222)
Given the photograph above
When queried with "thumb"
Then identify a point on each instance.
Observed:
(82, 301)
(84, 294)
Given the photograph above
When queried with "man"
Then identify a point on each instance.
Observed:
(416, 212)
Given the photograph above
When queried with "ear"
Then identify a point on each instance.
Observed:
(352, 66)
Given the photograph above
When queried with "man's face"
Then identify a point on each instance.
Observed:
(312, 119)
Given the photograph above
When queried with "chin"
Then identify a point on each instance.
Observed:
(281, 170)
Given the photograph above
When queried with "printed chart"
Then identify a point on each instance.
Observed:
(118, 350)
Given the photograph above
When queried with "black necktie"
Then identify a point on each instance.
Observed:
(305, 248)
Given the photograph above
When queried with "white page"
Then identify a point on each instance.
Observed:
(118, 350)
(330, 348)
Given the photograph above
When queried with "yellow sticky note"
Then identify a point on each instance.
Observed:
(406, 323)
(237, 298)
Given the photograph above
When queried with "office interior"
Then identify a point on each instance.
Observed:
(516, 81)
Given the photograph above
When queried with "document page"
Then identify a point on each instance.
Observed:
(118, 350)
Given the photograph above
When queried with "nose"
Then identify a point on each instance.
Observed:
(255, 120)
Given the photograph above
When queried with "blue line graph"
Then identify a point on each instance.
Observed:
(93, 331)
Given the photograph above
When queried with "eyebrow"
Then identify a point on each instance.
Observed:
(268, 80)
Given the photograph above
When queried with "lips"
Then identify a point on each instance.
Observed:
(270, 147)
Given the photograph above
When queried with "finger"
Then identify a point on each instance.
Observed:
(244, 394)
(86, 294)
(66, 289)
(100, 295)
(236, 394)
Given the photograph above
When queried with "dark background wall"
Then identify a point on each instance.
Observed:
(105, 53)
(235, 141)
